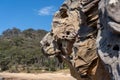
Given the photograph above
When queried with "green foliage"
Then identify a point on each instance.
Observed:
(20, 51)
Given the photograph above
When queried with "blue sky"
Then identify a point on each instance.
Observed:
(24, 14)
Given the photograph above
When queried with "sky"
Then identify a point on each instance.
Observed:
(24, 14)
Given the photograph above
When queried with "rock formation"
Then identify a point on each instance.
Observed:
(72, 39)
(109, 36)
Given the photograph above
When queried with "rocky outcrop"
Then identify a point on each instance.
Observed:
(72, 39)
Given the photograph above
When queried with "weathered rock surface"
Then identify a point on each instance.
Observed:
(108, 40)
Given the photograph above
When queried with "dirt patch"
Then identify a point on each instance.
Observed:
(40, 76)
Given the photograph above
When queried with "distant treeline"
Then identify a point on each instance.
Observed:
(20, 51)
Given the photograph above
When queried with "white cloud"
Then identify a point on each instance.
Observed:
(49, 10)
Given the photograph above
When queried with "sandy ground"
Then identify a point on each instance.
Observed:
(40, 76)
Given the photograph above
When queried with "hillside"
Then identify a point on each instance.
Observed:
(20, 52)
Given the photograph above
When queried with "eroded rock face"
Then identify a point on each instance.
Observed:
(73, 39)
(108, 40)
(49, 45)
(68, 26)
